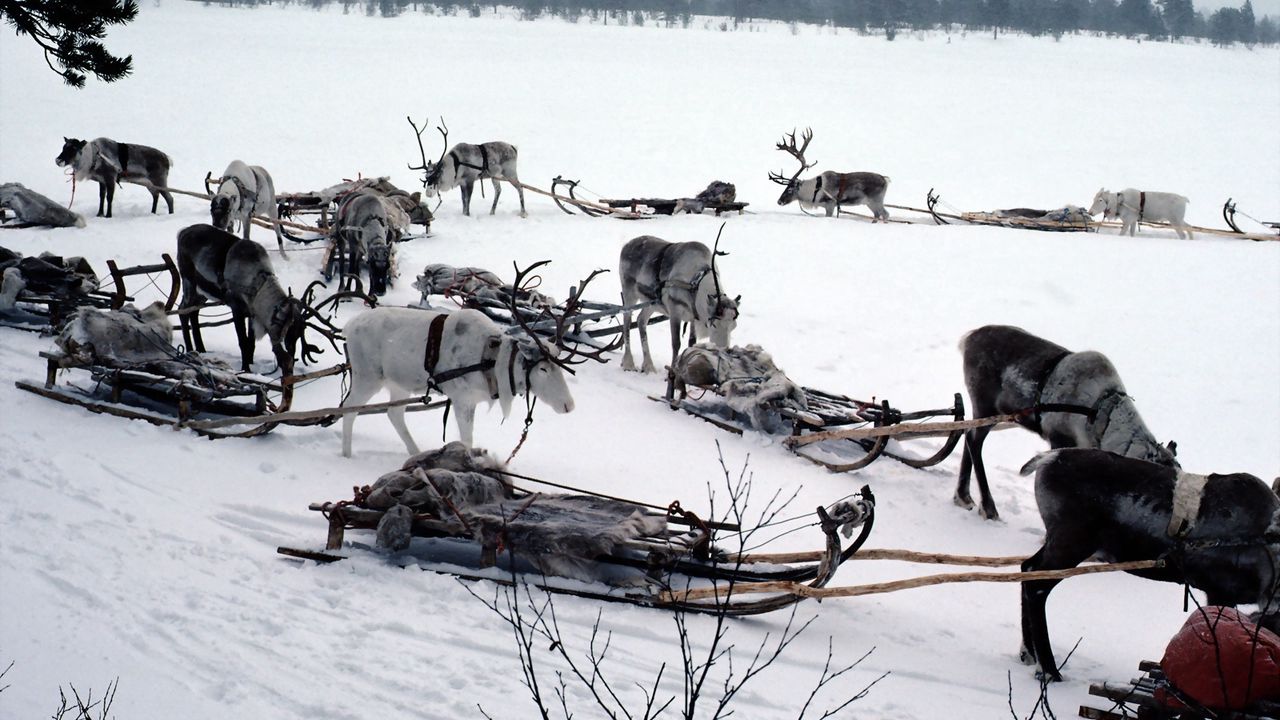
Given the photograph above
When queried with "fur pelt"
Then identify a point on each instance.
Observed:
(751, 385)
(118, 337)
(441, 279)
(34, 209)
(51, 274)
(430, 481)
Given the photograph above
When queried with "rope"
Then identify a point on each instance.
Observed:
(72, 172)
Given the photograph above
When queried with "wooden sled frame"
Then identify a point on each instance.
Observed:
(871, 425)
(1144, 697)
(256, 404)
(661, 558)
(56, 309)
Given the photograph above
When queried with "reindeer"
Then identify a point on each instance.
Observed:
(110, 163)
(1135, 206)
(1220, 533)
(464, 164)
(681, 279)
(244, 191)
(831, 189)
(364, 233)
(1071, 399)
(463, 354)
(216, 264)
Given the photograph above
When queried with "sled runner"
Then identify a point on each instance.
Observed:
(458, 511)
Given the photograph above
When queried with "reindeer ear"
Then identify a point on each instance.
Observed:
(737, 299)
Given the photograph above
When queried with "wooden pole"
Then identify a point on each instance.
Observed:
(583, 203)
(889, 554)
(805, 591)
(314, 414)
(938, 428)
(259, 220)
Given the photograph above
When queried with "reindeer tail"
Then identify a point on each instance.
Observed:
(1038, 462)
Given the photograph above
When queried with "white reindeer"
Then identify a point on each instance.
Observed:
(1135, 206)
(244, 191)
(464, 354)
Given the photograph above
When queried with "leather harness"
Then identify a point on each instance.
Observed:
(488, 360)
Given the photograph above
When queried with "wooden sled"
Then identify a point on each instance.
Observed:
(682, 557)
(666, 206)
(221, 406)
(843, 434)
(1152, 697)
(45, 312)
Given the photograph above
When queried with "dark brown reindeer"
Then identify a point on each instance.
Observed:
(829, 190)
(1071, 399)
(215, 264)
(464, 164)
(1216, 533)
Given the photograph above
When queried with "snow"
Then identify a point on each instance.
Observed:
(139, 552)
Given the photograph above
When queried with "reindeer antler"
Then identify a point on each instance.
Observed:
(788, 145)
(421, 150)
(559, 321)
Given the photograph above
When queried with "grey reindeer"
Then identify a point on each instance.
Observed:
(364, 233)
(464, 164)
(829, 190)
(110, 163)
(1071, 399)
(682, 280)
(215, 264)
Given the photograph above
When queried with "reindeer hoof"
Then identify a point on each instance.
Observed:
(648, 368)
(963, 501)
(1048, 677)
(1025, 657)
(988, 513)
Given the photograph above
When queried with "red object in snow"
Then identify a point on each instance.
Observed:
(1230, 673)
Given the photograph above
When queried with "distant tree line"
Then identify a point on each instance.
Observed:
(1158, 20)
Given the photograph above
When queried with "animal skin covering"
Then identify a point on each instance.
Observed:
(1187, 491)
(558, 534)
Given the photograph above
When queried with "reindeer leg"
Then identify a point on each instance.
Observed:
(168, 196)
(519, 191)
(676, 332)
(1058, 553)
(628, 362)
(962, 497)
(362, 388)
(497, 190)
(155, 199)
(465, 415)
(467, 187)
(396, 416)
(643, 327)
(244, 337)
(973, 442)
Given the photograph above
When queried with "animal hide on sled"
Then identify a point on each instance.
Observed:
(44, 275)
(127, 336)
(1073, 214)
(447, 280)
(716, 193)
(559, 534)
(749, 386)
(35, 210)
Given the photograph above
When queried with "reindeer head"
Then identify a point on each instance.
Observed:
(788, 145)
(1103, 202)
(222, 208)
(544, 376)
(431, 171)
(71, 148)
(723, 317)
